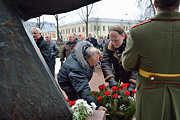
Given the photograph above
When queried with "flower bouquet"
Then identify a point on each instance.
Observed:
(81, 109)
(120, 105)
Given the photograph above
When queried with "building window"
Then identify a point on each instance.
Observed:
(109, 28)
(94, 28)
(75, 30)
(63, 31)
(79, 29)
(83, 28)
(98, 29)
(72, 30)
(66, 31)
(104, 28)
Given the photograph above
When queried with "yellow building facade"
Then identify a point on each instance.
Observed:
(98, 27)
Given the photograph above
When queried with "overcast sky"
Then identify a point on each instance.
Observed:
(119, 9)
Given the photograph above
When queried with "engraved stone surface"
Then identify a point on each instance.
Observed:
(27, 87)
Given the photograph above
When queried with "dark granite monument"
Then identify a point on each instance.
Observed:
(27, 87)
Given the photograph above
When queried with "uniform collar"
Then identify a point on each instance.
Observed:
(167, 15)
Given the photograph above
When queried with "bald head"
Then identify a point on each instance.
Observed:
(90, 35)
(92, 56)
(48, 38)
(71, 38)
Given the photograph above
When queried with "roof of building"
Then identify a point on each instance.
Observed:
(104, 20)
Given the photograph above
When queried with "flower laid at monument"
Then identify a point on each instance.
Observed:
(118, 101)
(81, 109)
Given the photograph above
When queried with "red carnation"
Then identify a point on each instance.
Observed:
(101, 87)
(126, 85)
(67, 100)
(94, 92)
(72, 103)
(134, 91)
(120, 89)
(115, 95)
(127, 93)
(99, 98)
(73, 47)
(114, 88)
(123, 85)
(107, 93)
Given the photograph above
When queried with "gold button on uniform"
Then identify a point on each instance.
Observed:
(152, 78)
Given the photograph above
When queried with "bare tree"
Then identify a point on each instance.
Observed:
(39, 24)
(84, 14)
(57, 22)
(147, 8)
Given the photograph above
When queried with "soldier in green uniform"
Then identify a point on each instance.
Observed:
(153, 49)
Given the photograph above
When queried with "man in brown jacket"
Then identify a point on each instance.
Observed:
(68, 47)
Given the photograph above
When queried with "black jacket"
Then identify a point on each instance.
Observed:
(92, 41)
(45, 51)
(76, 72)
(111, 65)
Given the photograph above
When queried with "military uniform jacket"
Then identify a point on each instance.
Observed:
(154, 47)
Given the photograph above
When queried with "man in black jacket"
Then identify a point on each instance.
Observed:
(76, 72)
(92, 40)
(54, 50)
(43, 47)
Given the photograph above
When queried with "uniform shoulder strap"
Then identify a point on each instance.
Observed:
(142, 23)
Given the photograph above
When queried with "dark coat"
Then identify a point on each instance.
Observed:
(92, 41)
(112, 67)
(54, 49)
(154, 46)
(45, 51)
(75, 73)
(66, 51)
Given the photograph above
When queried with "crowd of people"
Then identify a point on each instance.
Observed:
(131, 58)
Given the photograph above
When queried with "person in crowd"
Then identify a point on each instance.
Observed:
(92, 40)
(111, 64)
(43, 47)
(76, 72)
(75, 37)
(54, 50)
(68, 47)
(105, 38)
(101, 43)
(158, 83)
(80, 38)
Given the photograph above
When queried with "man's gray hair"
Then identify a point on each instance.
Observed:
(91, 51)
(39, 31)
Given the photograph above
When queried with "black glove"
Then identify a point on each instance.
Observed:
(112, 82)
